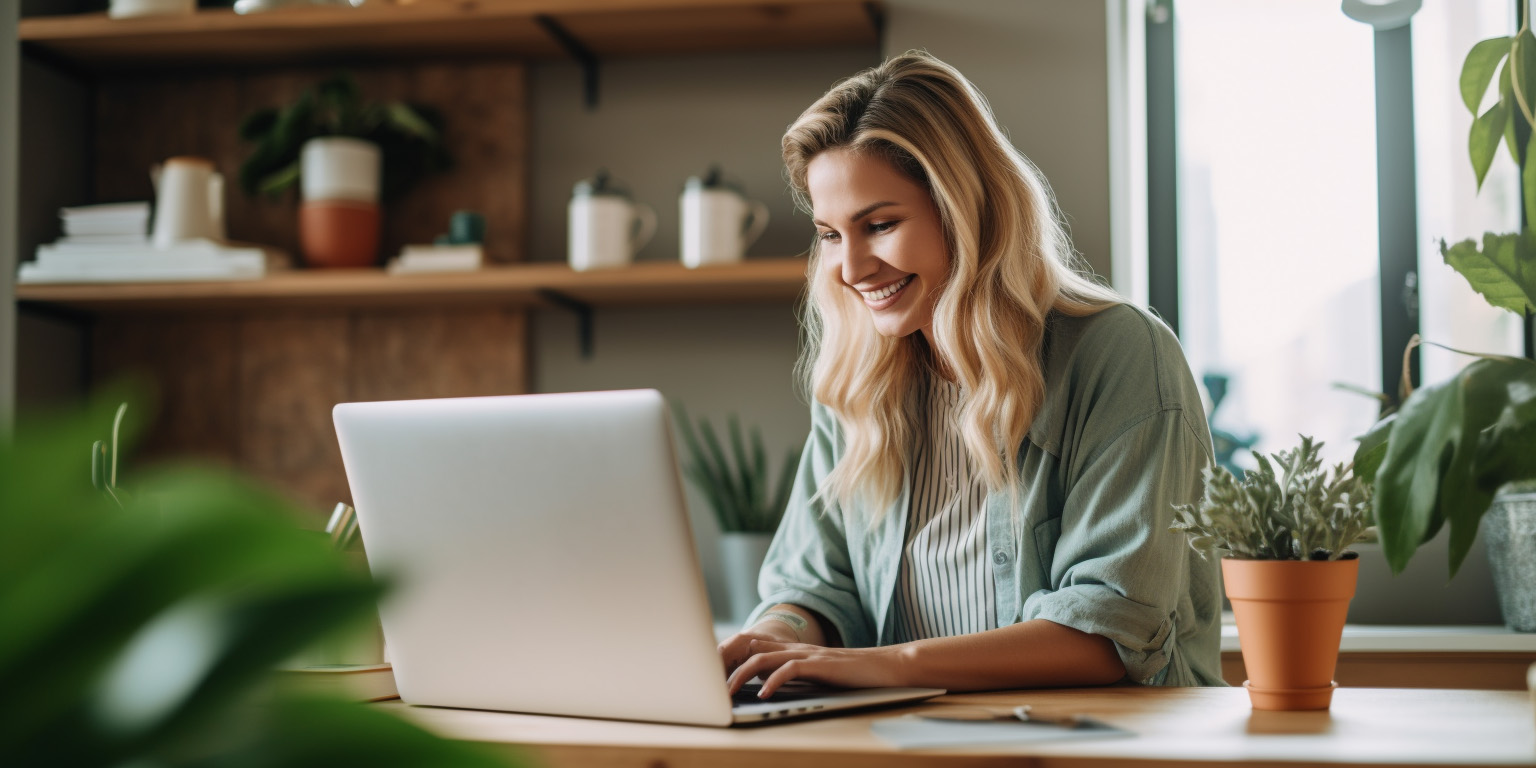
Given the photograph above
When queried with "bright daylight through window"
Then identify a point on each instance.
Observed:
(1277, 211)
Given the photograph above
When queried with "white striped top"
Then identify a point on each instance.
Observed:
(945, 586)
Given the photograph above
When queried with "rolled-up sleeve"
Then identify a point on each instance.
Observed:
(1115, 571)
(808, 563)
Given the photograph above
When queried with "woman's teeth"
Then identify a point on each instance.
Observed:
(887, 291)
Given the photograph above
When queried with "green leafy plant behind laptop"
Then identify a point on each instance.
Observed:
(143, 628)
(1290, 508)
(737, 486)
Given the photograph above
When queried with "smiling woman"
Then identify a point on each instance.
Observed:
(997, 440)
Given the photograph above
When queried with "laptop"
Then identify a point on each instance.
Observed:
(541, 561)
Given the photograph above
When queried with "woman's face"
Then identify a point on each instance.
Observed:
(880, 237)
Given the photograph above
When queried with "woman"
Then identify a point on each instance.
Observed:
(997, 441)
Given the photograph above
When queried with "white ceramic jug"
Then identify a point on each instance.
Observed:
(718, 223)
(606, 227)
(189, 201)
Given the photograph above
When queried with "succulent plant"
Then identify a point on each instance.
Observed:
(1290, 508)
(743, 496)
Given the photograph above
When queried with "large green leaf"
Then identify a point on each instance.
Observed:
(1463, 500)
(1442, 467)
(1408, 480)
(1503, 270)
(1483, 141)
(1478, 69)
(1523, 76)
(1506, 451)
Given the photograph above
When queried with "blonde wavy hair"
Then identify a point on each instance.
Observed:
(1011, 265)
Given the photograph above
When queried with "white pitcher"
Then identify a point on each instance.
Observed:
(606, 226)
(718, 223)
(189, 201)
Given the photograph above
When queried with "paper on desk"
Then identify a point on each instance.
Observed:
(913, 732)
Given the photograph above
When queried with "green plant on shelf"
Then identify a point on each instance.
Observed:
(409, 137)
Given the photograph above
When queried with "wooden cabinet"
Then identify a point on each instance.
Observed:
(247, 371)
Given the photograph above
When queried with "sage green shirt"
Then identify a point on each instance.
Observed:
(1119, 439)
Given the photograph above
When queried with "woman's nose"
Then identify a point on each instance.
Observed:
(859, 262)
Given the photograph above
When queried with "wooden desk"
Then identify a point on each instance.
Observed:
(1215, 726)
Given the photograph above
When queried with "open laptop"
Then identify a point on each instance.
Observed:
(542, 562)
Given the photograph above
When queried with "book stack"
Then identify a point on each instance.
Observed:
(109, 243)
(110, 224)
(415, 259)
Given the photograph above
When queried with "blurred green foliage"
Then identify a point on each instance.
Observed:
(147, 633)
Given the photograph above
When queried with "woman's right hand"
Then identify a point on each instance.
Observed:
(737, 648)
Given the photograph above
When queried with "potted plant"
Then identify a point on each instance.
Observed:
(1460, 449)
(347, 155)
(747, 505)
(1281, 533)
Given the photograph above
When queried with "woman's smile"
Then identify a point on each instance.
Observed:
(886, 295)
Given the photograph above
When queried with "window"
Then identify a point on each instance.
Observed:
(1450, 207)
(1278, 258)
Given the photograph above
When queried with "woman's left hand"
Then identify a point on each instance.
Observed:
(779, 663)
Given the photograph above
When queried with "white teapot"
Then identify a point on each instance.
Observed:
(718, 222)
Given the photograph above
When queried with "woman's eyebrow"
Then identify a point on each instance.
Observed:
(859, 214)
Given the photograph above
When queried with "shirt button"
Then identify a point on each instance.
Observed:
(999, 557)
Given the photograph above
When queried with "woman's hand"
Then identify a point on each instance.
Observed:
(737, 648)
(779, 662)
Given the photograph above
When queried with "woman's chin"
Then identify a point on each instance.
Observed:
(896, 327)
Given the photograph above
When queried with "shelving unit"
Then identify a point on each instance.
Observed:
(249, 370)
(524, 29)
(517, 285)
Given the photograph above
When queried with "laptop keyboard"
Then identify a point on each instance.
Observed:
(748, 695)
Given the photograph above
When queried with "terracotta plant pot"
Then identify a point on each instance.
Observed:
(1290, 617)
(339, 233)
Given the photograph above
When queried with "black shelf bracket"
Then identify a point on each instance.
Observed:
(876, 16)
(583, 313)
(578, 51)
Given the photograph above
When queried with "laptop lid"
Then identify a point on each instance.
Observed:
(531, 540)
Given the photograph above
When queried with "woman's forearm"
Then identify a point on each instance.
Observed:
(1031, 654)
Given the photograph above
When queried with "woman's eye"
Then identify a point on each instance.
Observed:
(827, 236)
(884, 226)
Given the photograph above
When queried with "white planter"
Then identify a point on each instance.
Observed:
(741, 560)
(340, 168)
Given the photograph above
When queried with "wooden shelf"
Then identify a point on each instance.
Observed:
(448, 28)
(643, 284)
